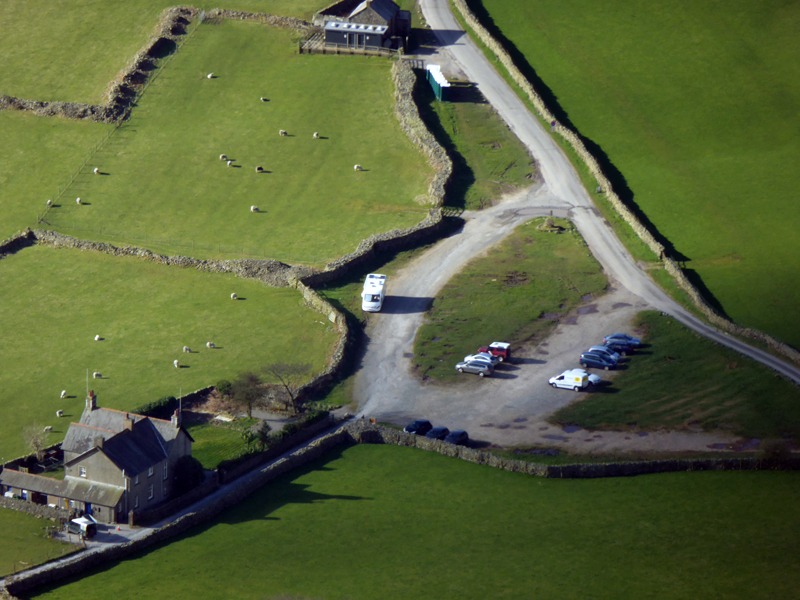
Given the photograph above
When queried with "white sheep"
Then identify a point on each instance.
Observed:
(210, 76)
(223, 157)
(97, 338)
(187, 349)
(282, 133)
(60, 413)
(316, 135)
(177, 364)
(96, 171)
(96, 375)
(234, 296)
(230, 163)
(259, 169)
(263, 99)
(253, 209)
(48, 429)
(358, 168)
(63, 394)
(78, 201)
(210, 345)
(49, 203)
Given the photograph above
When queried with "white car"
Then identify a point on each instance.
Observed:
(483, 356)
(574, 379)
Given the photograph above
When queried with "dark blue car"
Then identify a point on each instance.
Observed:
(598, 361)
(620, 346)
(458, 437)
(419, 427)
(438, 433)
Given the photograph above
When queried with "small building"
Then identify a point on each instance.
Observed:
(439, 83)
(365, 25)
(114, 462)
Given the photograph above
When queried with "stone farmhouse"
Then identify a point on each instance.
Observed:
(365, 24)
(114, 462)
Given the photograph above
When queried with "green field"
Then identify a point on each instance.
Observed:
(56, 301)
(695, 105)
(681, 380)
(389, 522)
(213, 444)
(24, 542)
(504, 294)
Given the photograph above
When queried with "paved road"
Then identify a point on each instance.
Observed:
(385, 387)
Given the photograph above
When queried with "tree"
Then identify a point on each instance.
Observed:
(246, 392)
(289, 376)
(262, 435)
(35, 438)
(188, 474)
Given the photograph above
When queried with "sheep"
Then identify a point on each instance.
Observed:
(78, 201)
(49, 203)
(187, 349)
(96, 171)
(96, 375)
(60, 413)
(234, 296)
(210, 76)
(263, 99)
(230, 163)
(223, 157)
(358, 168)
(316, 135)
(177, 364)
(253, 209)
(210, 345)
(259, 169)
(97, 338)
(48, 429)
(63, 394)
(282, 133)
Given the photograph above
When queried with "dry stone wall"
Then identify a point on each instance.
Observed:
(37, 510)
(670, 265)
(273, 20)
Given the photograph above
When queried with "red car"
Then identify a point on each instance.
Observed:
(501, 350)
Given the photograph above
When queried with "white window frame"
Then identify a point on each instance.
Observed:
(136, 480)
(165, 471)
(150, 471)
(136, 501)
(150, 495)
(82, 471)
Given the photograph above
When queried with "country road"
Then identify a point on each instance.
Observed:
(505, 412)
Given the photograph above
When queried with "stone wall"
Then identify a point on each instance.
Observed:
(627, 215)
(208, 487)
(273, 20)
(37, 510)
(16, 243)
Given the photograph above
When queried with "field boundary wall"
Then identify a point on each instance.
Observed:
(670, 265)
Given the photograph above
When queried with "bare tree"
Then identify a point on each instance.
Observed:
(290, 376)
(35, 438)
(246, 392)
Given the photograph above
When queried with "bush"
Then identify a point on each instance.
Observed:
(188, 474)
(224, 387)
(774, 454)
(159, 409)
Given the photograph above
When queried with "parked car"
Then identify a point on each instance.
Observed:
(480, 367)
(419, 427)
(594, 379)
(501, 350)
(618, 345)
(438, 433)
(459, 437)
(623, 337)
(483, 356)
(605, 351)
(598, 361)
(573, 379)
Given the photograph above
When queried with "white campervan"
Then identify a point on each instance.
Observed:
(373, 294)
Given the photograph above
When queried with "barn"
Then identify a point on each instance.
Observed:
(365, 25)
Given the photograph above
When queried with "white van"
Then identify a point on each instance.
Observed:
(574, 379)
(373, 294)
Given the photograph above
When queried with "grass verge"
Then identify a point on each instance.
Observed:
(25, 544)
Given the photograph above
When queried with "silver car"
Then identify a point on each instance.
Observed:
(482, 368)
(606, 351)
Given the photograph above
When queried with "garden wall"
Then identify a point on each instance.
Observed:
(671, 266)
(37, 510)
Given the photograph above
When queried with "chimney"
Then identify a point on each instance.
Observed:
(127, 423)
(98, 441)
(91, 401)
(176, 419)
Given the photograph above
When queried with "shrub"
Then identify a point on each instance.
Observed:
(159, 409)
(224, 387)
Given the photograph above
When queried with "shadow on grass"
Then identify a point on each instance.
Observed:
(405, 305)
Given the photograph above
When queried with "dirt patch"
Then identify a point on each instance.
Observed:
(515, 278)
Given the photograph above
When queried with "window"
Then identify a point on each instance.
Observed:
(136, 480)
(82, 471)
(165, 471)
(150, 472)
(150, 495)
(136, 501)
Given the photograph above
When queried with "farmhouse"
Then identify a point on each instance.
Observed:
(365, 24)
(114, 462)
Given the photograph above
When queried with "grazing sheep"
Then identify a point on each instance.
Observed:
(63, 394)
(358, 168)
(177, 364)
(223, 157)
(259, 169)
(210, 345)
(60, 413)
(210, 76)
(263, 99)
(282, 133)
(78, 201)
(48, 429)
(97, 338)
(187, 349)
(253, 209)
(96, 375)
(230, 163)
(49, 203)
(234, 296)
(316, 135)
(96, 171)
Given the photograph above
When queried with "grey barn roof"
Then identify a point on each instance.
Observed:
(72, 488)
(386, 9)
(33, 483)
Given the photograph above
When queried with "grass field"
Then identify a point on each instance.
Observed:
(24, 542)
(390, 522)
(56, 301)
(694, 104)
(165, 180)
(682, 380)
(504, 294)
(213, 444)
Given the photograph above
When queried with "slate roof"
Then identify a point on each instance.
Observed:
(90, 491)
(386, 9)
(33, 483)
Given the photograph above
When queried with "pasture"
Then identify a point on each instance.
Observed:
(25, 543)
(693, 106)
(213, 444)
(390, 522)
(56, 301)
(505, 295)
